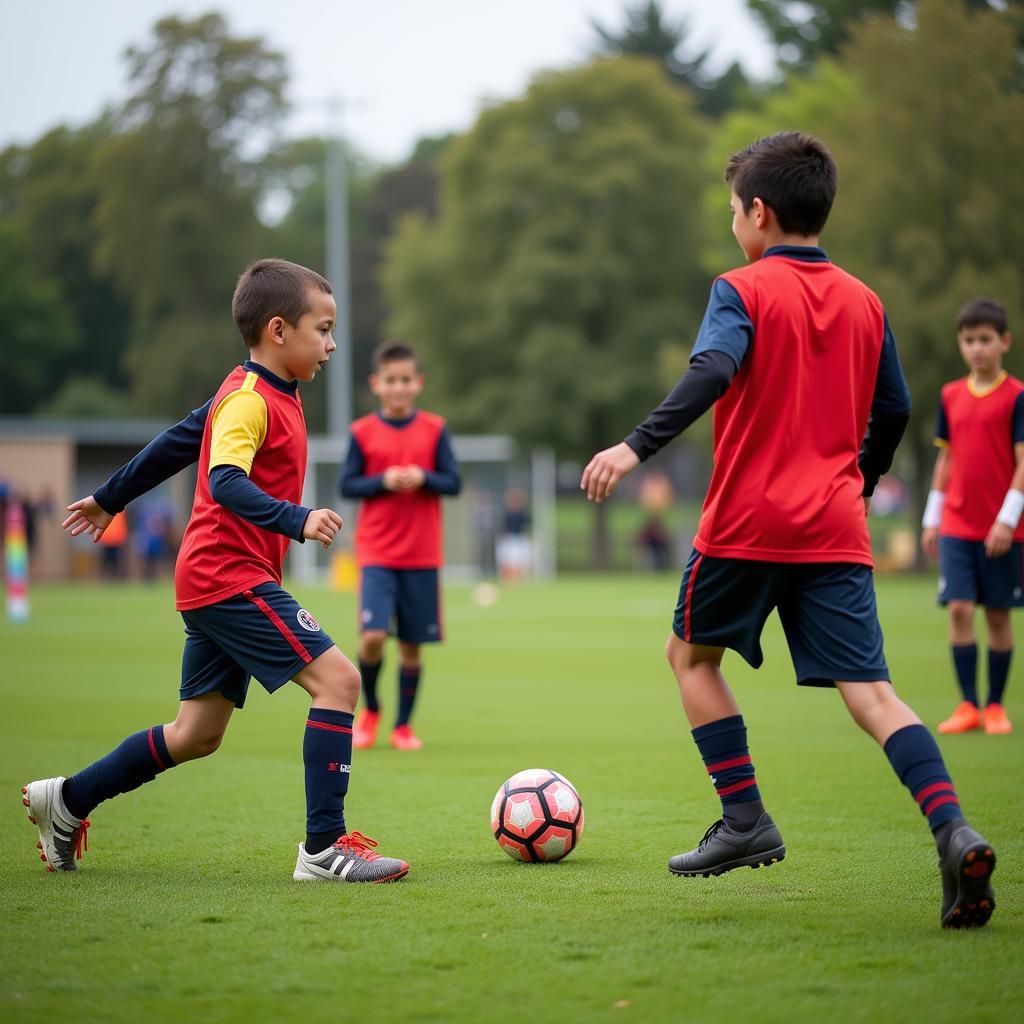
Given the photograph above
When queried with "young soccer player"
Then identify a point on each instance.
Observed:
(810, 403)
(250, 442)
(972, 520)
(400, 461)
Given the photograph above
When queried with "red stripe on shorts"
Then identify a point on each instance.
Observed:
(687, 631)
(282, 628)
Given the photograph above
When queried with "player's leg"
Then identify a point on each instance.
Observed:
(722, 603)
(958, 590)
(1000, 654)
(377, 596)
(417, 622)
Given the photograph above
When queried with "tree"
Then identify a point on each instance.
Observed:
(648, 33)
(563, 259)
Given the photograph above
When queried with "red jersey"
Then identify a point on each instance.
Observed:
(817, 356)
(399, 530)
(980, 427)
(222, 554)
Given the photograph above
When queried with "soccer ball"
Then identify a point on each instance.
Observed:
(537, 815)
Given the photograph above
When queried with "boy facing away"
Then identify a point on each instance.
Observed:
(400, 462)
(799, 361)
(972, 521)
(250, 442)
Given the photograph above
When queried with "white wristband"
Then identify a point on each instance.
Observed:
(1013, 505)
(933, 509)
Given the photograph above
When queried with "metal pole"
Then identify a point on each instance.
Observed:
(339, 369)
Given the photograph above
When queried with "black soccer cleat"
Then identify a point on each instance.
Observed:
(966, 865)
(723, 849)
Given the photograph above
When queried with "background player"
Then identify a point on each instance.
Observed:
(250, 441)
(800, 359)
(972, 520)
(400, 461)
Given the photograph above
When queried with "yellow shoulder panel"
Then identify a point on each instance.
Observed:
(239, 427)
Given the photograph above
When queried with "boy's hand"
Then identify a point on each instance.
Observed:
(930, 542)
(87, 517)
(322, 525)
(394, 477)
(414, 477)
(606, 469)
(404, 478)
(998, 541)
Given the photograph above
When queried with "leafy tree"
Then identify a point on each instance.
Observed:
(648, 33)
(562, 261)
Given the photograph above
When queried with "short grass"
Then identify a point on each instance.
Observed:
(184, 909)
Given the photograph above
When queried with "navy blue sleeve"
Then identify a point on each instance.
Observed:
(942, 423)
(354, 482)
(1018, 419)
(726, 326)
(891, 391)
(447, 478)
(230, 487)
(167, 454)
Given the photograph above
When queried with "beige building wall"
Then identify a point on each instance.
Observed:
(42, 469)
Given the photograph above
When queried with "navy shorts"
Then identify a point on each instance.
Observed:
(827, 609)
(263, 633)
(966, 573)
(405, 602)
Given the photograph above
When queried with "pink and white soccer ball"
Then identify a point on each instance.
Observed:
(537, 815)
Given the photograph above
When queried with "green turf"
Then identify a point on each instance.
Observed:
(184, 909)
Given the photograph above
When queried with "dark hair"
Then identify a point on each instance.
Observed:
(269, 288)
(982, 311)
(791, 172)
(392, 352)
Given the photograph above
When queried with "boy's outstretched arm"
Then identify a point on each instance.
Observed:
(167, 454)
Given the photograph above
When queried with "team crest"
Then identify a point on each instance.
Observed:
(306, 621)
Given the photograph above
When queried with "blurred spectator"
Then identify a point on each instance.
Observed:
(113, 544)
(514, 550)
(656, 497)
(485, 530)
(152, 537)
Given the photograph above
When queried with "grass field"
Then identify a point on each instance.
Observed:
(184, 908)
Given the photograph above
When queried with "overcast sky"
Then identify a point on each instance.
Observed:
(410, 67)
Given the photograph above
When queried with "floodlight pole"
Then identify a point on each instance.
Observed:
(339, 369)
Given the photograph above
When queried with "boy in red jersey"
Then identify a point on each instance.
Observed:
(810, 403)
(400, 461)
(972, 521)
(250, 442)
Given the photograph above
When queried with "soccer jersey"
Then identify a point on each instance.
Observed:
(980, 427)
(255, 423)
(399, 530)
(815, 357)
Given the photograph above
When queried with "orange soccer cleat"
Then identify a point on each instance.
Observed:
(364, 735)
(965, 718)
(403, 738)
(997, 722)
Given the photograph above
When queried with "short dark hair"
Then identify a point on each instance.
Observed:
(791, 172)
(269, 288)
(392, 352)
(982, 311)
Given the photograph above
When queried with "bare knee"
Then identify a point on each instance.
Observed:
(332, 681)
(371, 645)
(961, 615)
(189, 741)
(409, 654)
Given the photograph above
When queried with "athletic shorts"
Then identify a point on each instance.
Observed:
(403, 602)
(827, 609)
(263, 633)
(966, 573)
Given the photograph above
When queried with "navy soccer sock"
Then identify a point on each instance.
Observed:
(369, 674)
(140, 758)
(327, 756)
(998, 671)
(408, 686)
(965, 659)
(917, 760)
(723, 746)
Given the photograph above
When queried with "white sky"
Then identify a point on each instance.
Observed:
(411, 67)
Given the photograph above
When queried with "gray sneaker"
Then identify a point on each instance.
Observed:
(723, 849)
(62, 836)
(350, 859)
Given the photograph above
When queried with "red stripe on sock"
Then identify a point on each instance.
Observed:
(734, 763)
(687, 630)
(152, 750)
(938, 802)
(935, 787)
(310, 724)
(281, 627)
(745, 784)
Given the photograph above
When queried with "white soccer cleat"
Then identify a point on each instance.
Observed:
(62, 836)
(350, 859)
